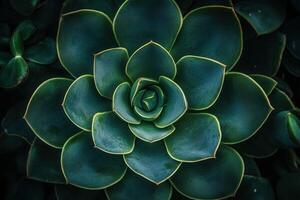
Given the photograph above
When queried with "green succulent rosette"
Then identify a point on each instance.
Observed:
(154, 103)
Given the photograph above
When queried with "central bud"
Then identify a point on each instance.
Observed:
(147, 99)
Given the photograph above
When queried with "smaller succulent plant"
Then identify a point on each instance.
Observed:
(28, 43)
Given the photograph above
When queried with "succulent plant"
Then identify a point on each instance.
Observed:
(154, 103)
(24, 40)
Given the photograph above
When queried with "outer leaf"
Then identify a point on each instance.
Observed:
(291, 64)
(240, 96)
(16, 44)
(68, 192)
(268, 84)
(225, 39)
(24, 7)
(133, 186)
(282, 135)
(197, 137)
(14, 124)
(43, 53)
(24, 187)
(198, 180)
(109, 70)
(262, 55)
(138, 22)
(255, 188)
(43, 163)
(45, 115)
(106, 6)
(151, 61)
(294, 128)
(261, 141)
(175, 99)
(121, 104)
(199, 3)
(280, 101)
(265, 16)
(201, 79)
(293, 39)
(288, 186)
(13, 73)
(151, 161)
(111, 134)
(251, 167)
(96, 35)
(82, 101)
(148, 132)
(97, 170)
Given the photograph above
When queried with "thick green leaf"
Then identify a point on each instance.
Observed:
(151, 61)
(197, 137)
(291, 63)
(175, 98)
(24, 190)
(225, 39)
(109, 70)
(255, 188)
(280, 101)
(240, 96)
(201, 79)
(13, 73)
(10, 144)
(293, 40)
(106, 6)
(16, 44)
(43, 53)
(97, 169)
(265, 16)
(211, 179)
(26, 29)
(121, 104)
(251, 167)
(261, 141)
(14, 124)
(76, 48)
(138, 22)
(148, 132)
(268, 84)
(133, 187)
(294, 128)
(45, 114)
(151, 161)
(43, 163)
(68, 192)
(198, 3)
(24, 7)
(288, 186)
(111, 134)
(281, 134)
(45, 17)
(82, 102)
(262, 54)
